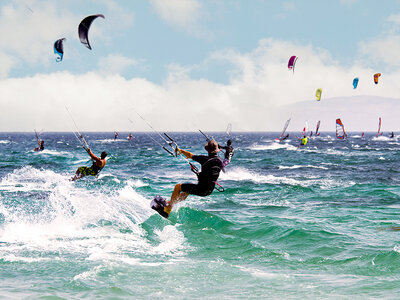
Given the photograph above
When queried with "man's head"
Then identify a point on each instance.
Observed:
(211, 146)
(229, 142)
(103, 155)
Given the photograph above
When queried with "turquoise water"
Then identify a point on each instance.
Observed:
(312, 223)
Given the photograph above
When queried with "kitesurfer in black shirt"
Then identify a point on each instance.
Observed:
(41, 146)
(211, 166)
(228, 153)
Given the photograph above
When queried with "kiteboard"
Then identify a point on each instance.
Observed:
(158, 204)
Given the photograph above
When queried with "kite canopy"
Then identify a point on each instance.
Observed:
(59, 49)
(83, 29)
(355, 82)
(318, 94)
(292, 62)
(376, 77)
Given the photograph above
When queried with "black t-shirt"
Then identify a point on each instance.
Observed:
(210, 168)
(228, 151)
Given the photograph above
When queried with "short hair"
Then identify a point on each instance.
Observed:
(229, 142)
(103, 154)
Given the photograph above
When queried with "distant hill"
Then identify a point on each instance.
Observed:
(358, 113)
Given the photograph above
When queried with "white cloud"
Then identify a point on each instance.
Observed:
(28, 36)
(182, 14)
(28, 30)
(177, 12)
(289, 6)
(115, 64)
(384, 49)
(6, 63)
(395, 19)
(261, 94)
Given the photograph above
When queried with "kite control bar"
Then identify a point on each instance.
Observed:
(175, 146)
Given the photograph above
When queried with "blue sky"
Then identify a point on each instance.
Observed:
(215, 51)
(155, 42)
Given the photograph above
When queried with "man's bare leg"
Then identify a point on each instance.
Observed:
(177, 195)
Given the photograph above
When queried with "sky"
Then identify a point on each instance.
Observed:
(184, 65)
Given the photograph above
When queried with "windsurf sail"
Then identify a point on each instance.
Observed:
(340, 132)
(305, 129)
(229, 129)
(317, 130)
(283, 134)
(379, 127)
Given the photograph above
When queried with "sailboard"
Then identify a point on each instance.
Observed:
(229, 129)
(379, 127)
(340, 132)
(317, 133)
(283, 135)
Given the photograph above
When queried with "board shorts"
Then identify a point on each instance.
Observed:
(197, 189)
(226, 162)
(87, 171)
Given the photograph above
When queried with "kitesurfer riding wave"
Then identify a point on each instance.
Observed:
(211, 166)
(41, 146)
(97, 166)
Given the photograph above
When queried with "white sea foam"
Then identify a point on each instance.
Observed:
(382, 138)
(272, 146)
(54, 152)
(106, 141)
(4, 141)
(136, 183)
(241, 174)
(302, 166)
(100, 225)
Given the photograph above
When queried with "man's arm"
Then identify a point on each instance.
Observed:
(184, 152)
(92, 156)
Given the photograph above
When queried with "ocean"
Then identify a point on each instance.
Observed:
(317, 222)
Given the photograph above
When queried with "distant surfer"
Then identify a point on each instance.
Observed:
(229, 151)
(97, 166)
(211, 166)
(284, 137)
(303, 141)
(40, 142)
(392, 135)
(41, 146)
(130, 136)
(115, 135)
